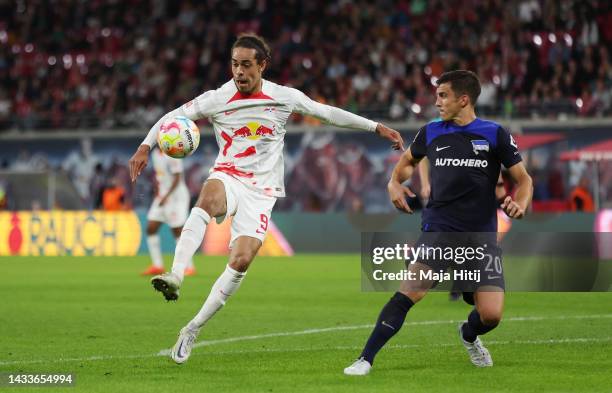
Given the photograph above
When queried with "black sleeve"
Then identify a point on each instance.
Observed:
(507, 149)
(418, 148)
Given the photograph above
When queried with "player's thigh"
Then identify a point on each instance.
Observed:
(253, 214)
(244, 249)
(155, 216)
(417, 288)
(153, 227)
(176, 210)
(212, 198)
(489, 303)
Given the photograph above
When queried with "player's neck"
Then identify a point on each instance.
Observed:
(256, 90)
(463, 119)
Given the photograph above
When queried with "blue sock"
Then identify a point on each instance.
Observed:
(389, 322)
(474, 327)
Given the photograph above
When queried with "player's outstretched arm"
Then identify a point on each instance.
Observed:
(341, 118)
(516, 208)
(403, 171)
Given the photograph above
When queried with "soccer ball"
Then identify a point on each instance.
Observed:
(178, 137)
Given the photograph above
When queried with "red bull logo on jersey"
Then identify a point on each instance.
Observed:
(253, 130)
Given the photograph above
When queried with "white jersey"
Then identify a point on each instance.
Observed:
(250, 129)
(165, 168)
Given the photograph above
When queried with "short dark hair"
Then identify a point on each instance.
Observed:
(462, 82)
(253, 41)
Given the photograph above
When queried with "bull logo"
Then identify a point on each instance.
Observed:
(253, 131)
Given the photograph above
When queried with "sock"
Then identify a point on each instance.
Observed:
(225, 286)
(190, 240)
(155, 250)
(474, 327)
(190, 263)
(389, 322)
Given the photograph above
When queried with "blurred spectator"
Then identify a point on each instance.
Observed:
(316, 180)
(540, 186)
(581, 198)
(3, 194)
(602, 97)
(5, 109)
(356, 171)
(556, 187)
(98, 182)
(80, 166)
(113, 196)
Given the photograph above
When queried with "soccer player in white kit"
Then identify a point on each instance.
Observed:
(248, 115)
(170, 206)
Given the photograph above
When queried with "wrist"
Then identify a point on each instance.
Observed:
(144, 147)
(393, 183)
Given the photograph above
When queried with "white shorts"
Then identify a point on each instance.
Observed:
(251, 210)
(174, 212)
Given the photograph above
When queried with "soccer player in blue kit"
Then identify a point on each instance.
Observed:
(466, 154)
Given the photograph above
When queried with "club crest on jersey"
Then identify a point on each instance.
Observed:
(480, 145)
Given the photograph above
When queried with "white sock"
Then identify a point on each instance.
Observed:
(190, 240)
(155, 250)
(190, 263)
(225, 286)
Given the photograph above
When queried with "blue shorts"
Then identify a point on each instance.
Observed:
(487, 263)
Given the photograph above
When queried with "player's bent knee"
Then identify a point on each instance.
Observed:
(240, 262)
(152, 228)
(490, 318)
(211, 204)
(415, 296)
(177, 232)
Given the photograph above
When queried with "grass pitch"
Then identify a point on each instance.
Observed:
(292, 327)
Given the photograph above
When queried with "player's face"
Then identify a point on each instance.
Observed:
(246, 70)
(448, 103)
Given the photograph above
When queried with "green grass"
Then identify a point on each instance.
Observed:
(98, 318)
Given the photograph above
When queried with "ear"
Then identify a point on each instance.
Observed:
(465, 100)
(263, 65)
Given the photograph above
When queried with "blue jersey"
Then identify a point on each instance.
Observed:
(465, 164)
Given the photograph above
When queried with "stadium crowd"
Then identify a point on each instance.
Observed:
(114, 64)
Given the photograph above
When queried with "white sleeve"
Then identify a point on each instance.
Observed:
(330, 114)
(198, 108)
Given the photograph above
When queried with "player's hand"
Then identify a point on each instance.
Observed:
(397, 194)
(392, 135)
(139, 161)
(511, 208)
